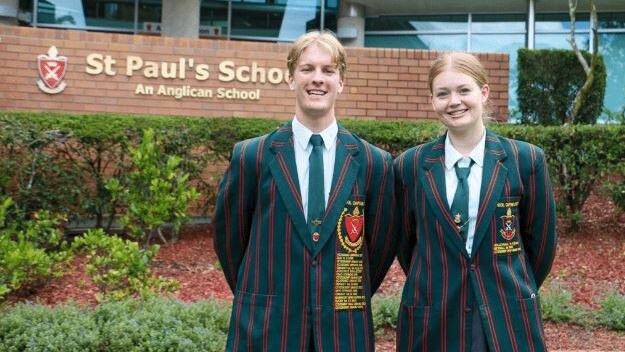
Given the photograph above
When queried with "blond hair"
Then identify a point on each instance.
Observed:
(327, 40)
(464, 63)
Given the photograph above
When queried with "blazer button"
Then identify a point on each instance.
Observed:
(314, 262)
(315, 236)
(467, 309)
(472, 267)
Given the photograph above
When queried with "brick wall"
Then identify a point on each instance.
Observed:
(381, 83)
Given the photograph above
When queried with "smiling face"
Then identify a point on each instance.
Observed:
(317, 83)
(459, 101)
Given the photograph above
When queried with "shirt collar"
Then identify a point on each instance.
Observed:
(302, 134)
(452, 155)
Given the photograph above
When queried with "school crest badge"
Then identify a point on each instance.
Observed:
(350, 228)
(507, 231)
(51, 71)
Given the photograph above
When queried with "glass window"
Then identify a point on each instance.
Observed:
(331, 4)
(68, 13)
(214, 18)
(421, 41)
(284, 22)
(495, 23)
(560, 41)
(443, 23)
(611, 20)
(557, 22)
(503, 43)
(612, 47)
(149, 14)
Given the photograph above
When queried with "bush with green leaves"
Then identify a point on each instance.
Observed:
(163, 325)
(120, 268)
(30, 167)
(557, 306)
(155, 192)
(612, 311)
(31, 252)
(579, 158)
(149, 325)
(385, 310)
(548, 82)
(68, 328)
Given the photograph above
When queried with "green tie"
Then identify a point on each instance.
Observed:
(460, 204)
(316, 198)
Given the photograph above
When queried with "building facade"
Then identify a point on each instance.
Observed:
(474, 26)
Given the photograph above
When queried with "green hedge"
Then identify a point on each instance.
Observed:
(76, 154)
(548, 82)
(152, 325)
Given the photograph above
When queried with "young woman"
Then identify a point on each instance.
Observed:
(478, 226)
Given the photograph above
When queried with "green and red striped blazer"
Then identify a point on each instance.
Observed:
(514, 247)
(289, 289)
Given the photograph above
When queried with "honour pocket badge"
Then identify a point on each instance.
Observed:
(351, 225)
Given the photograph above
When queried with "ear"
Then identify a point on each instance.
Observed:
(485, 93)
(341, 85)
(290, 82)
(432, 102)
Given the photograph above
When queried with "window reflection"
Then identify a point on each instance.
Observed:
(285, 20)
(419, 41)
(417, 23)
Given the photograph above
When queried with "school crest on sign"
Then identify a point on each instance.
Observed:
(51, 71)
(350, 227)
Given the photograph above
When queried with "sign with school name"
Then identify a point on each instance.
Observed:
(187, 68)
(173, 76)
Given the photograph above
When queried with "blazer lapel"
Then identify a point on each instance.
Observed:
(284, 171)
(493, 179)
(346, 169)
(433, 182)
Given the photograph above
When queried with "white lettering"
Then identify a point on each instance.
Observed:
(226, 71)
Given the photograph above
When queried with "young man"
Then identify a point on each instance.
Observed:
(305, 234)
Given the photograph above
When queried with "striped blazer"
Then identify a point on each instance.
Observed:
(514, 247)
(291, 288)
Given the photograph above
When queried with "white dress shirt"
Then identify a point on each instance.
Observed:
(474, 180)
(301, 137)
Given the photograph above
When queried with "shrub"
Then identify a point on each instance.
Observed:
(612, 311)
(557, 306)
(119, 268)
(30, 252)
(151, 325)
(154, 193)
(578, 157)
(163, 325)
(30, 167)
(385, 310)
(39, 328)
(548, 83)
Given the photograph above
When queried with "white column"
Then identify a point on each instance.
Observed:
(531, 14)
(8, 12)
(351, 24)
(180, 18)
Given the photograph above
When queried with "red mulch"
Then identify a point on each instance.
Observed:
(589, 263)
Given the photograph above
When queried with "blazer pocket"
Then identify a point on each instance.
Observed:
(254, 299)
(251, 312)
(414, 320)
(528, 317)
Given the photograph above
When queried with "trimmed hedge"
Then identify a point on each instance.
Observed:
(548, 82)
(151, 325)
(579, 156)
